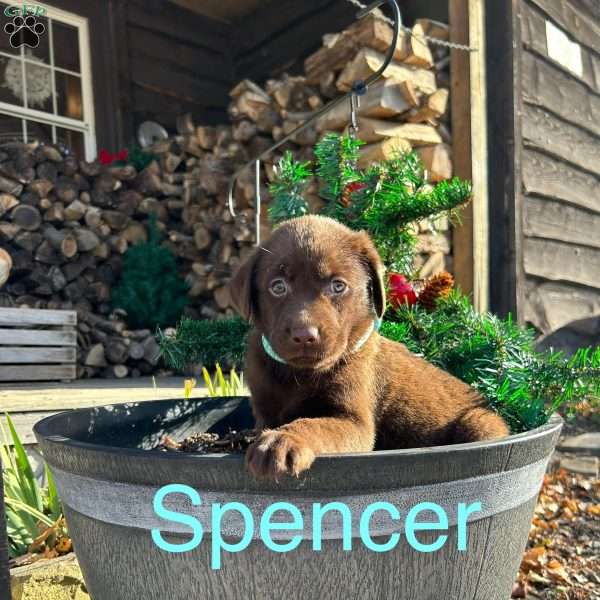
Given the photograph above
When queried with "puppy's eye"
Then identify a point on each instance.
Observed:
(338, 286)
(278, 287)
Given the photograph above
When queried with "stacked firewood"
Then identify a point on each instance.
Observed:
(65, 225)
(406, 109)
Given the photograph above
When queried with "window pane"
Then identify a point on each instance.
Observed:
(38, 26)
(66, 46)
(39, 131)
(39, 87)
(11, 75)
(73, 140)
(68, 91)
(5, 45)
(11, 129)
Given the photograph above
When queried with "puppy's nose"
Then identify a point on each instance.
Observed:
(305, 335)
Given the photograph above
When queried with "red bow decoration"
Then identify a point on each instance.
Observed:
(106, 158)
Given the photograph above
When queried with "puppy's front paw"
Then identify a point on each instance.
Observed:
(276, 453)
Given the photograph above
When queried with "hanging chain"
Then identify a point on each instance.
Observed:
(426, 38)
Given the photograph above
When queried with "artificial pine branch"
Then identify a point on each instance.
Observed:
(205, 343)
(337, 157)
(291, 179)
(497, 357)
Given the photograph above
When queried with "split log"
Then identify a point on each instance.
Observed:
(437, 161)
(95, 356)
(435, 106)
(339, 49)
(385, 99)
(86, 240)
(75, 211)
(7, 203)
(419, 54)
(63, 241)
(41, 187)
(9, 186)
(385, 150)
(368, 61)
(373, 130)
(5, 266)
(116, 371)
(136, 351)
(26, 217)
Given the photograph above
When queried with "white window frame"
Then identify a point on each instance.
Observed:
(87, 126)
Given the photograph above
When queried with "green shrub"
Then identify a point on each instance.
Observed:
(150, 291)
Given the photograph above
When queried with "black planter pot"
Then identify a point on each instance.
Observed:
(107, 474)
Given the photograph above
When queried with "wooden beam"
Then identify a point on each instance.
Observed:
(224, 10)
(507, 276)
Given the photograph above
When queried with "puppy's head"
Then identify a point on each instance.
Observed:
(313, 290)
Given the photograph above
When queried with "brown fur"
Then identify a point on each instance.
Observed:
(328, 397)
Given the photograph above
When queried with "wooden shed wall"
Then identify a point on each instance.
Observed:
(178, 62)
(551, 166)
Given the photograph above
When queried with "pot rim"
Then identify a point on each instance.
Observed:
(42, 434)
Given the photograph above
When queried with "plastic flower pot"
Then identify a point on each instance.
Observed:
(108, 474)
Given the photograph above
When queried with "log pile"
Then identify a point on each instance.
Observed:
(407, 109)
(66, 224)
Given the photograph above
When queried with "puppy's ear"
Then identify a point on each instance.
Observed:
(241, 288)
(370, 257)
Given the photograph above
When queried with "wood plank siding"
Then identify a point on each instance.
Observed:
(554, 152)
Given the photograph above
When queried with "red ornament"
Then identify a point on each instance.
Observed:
(355, 186)
(105, 157)
(401, 291)
(123, 155)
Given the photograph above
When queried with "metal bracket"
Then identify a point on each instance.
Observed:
(359, 88)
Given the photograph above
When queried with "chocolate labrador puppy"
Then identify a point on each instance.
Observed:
(322, 379)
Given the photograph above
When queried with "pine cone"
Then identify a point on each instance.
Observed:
(437, 287)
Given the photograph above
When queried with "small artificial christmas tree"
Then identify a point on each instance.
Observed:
(384, 200)
(150, 291)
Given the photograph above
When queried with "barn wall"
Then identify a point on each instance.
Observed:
(544, 164)
(178, 62)
(560, 175)
(278, 36)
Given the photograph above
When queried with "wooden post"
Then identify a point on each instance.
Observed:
(503, 21)
(468, 97)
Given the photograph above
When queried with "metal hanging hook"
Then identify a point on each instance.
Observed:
(258, 207)
(359, 88)
(354, 108)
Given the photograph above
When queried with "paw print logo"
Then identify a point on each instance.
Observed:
(24, 31)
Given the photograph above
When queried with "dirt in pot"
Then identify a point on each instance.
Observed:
(233, 442)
